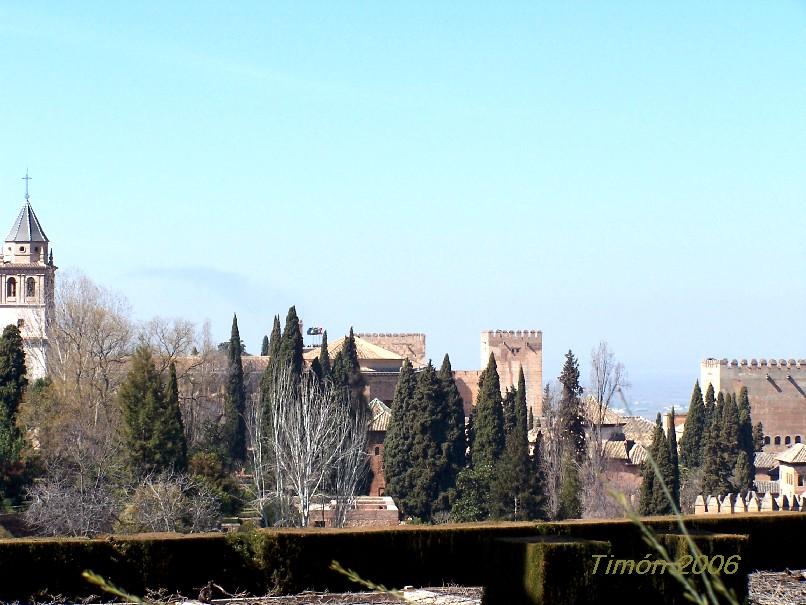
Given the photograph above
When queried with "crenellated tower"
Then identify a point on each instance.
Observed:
(27, 279)
(512, 350)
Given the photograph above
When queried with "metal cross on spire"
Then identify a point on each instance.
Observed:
(26, 178)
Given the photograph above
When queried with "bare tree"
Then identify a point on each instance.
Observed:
(171, 502)
(607, 379)
(552, 451)
(311, 438)
(170, 339)
(351, 463)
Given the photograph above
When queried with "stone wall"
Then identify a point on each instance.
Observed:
(514, 349)
(777, 390)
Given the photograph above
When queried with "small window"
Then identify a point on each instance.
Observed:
(11, 287)
(767, 440)
(36, 249)
(797, 438)
(377, 451)
(22, 248)
(30, 287)
(800, 481)
(777, 440)
(788, 440)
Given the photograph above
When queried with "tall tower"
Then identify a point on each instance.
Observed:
(512, 350)
(27, 277)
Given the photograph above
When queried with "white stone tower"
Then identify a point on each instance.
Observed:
(27, 276)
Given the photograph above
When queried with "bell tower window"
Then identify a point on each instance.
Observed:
(30, 287)
(11, 287)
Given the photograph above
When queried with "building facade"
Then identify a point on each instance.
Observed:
(27, 280)
(777, 391)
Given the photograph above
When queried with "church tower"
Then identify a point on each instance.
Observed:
(27, 276)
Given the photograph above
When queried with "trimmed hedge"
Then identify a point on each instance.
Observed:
(469, 554)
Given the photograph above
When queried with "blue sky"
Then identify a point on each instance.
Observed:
(628, 171)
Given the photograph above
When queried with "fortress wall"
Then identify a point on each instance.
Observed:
(514, 349)
(777, 390)
(467, 381)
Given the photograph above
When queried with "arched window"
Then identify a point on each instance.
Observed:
(30, 287)
(777, 440)
(377, 451)
(788, 440)
(11, 287)
(766, 440)
(797, 438)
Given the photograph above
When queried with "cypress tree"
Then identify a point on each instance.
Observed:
(142, 401)
(455, 441)
(234, 429)
(674, 463)
(709, 396)
(488, 423)
(13, 378)
(346, 372)
(531, 424)
(426, 450)
(521, 407)
(573, 433)
(324, 356)
(742, 473)
(13, 475)
(397, 461)
(509, 410)
(729, 440)
(746, 440)
(172, 428)
(290, 350)
(316, 368)
(264, 347)
(758, 437)
(653, 499)
(691, 442)
(267, 379)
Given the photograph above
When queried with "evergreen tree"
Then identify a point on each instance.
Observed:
(715, 476)
(742, 474)
(514, 484)
(653, 499)
(531, 419)
(709, 396)
(13, 473)
(674, 463)
(172, 428)
(397, 460)
(455, 441)
(573, 434)
(324, 356)
(346, 372)
(691, 442)
(488, 422)
(316, 368)
(234, 429)
(758, 437)
(473, 494)
(426, 450)
(267, 379)
(290, 350)
(729, 440)
(264, 347)
(142, 401)
(509, 410)
(746, 440)
(12, 373)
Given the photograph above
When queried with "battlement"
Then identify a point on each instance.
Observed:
(789, 364)
(500, 336)
(366, 335)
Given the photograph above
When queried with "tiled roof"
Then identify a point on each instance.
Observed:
(592, 412)
(765, 460)
(638, 429)
(364, 349)
(615, 450)
(638, 453)
(794, 455)
(381, 413)
(26, 228)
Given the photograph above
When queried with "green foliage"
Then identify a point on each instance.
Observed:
(264, 346)
(346, 372)
(173, 428)
(290, 350)
(399, 439)
(455, 445)
(508, 405)
(692, 441)
(150, 431)
(573, 434)
(758, 437)
(570, 503)
(673, 480)
(209, 467)
(747, 440)
(742, 474)
(234, 429)
(324, 356)
(653, 499)
(488, 420)
(13, 470)
(473, 494)
(12, 373)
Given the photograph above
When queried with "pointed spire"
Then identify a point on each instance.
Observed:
(26, 228)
